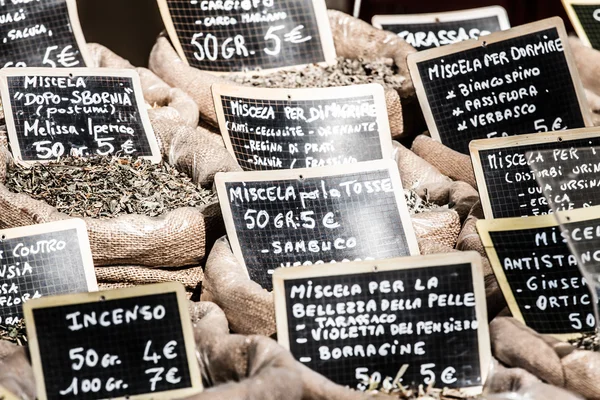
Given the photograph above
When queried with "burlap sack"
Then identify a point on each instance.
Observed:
(440, 225)
(255, 367)
(16, 374)
(353, 39)
(449, 162)
(459, 196)
(174, 239)
(415, 172)
(249, 308)
(555, 362)
(587, 59)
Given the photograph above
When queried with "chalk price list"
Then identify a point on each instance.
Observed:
(383, 329)
(233, 35)
(502, 89)
(25, 24)
(302, 134)
(544, 277)
(89, 359)
(570, 173)
(81, 116)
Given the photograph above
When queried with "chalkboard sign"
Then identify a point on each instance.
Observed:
(266, 129)
(427, 31)
(315, 215)
(113, 344)
(585, 17)
(508, 187)
(538, 275)
(52, 113)
(42, 33)
(518, 81)
(221, 36)
(372, 319)
(43, 260)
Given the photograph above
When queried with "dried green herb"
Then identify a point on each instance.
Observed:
(105, 187)
(14, 333)
(589, 341)
(345, 73)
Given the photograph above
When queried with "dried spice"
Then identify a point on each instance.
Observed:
(345, 73)
(14, 333)
(105, 187)
(589, 342)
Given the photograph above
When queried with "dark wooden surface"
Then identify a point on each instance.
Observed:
(130, 27)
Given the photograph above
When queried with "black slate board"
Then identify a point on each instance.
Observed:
(507, 185)
(395, 303)
(266, 129)
(535, 269)
(53, 113)
(42, 33)
(257, 34)
(518, 94)
(114, 356)
(43, 260)
(585, 17)
(427, 31)
(317, 218)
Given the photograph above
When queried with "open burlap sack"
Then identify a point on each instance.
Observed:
(353, 39)
(249, 308)
(587, 59)
(449, 162)
(439, 225)
(552, 361)
(255, 367)
(459, 196)
(176, 238)
(16, 374)
(415, 172)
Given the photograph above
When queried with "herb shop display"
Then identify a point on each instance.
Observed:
(164, 222)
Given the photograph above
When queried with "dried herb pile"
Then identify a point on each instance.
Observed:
(346, 72)
(589, 342)
(105, 187)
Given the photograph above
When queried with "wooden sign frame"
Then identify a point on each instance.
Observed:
(84, 298)
(59, 226)
(392, 264)
(568, 5)
(222, 178)
(450, 16)
(332, 93)
(78, 33)
(485, 226)
(476, 146)
(6, 395)
(555, 22)
(323, 26)
(5, 73)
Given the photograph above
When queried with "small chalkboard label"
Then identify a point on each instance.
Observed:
(538, 275)
(266, 129)
(518, 81)
(374, 319)
(51, 113)
(311, 216)
(585, 17)
(42, 260)
(507, 186)
(427, 31)
(127, 343)
(42, 33)
(223, 37)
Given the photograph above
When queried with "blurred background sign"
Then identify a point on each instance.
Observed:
(130, 27)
